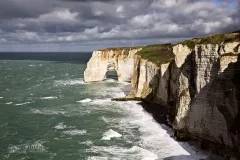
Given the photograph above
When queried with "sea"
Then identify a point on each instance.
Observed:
(47, 112)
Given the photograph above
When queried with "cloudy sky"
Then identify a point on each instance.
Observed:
(85, 25)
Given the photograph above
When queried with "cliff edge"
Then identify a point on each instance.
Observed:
(198, 81)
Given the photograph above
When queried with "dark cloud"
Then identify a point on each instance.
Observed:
(105, 21)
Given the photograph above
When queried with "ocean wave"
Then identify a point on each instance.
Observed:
(88, 142)
(110, 80)
(111, 134)
(117, 152)
(1, 97)
(101, 101)
(9, 102)
(47, 112)
(106, 120)
(75, 132)
(85, 100)
(20, 104)
(61, 126)
(114, 92)
(32, 65)
(48, 98)
(69, 82)
(152, 135)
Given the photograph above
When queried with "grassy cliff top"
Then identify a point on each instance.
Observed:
(158, 53)
(163, 53)
(213, 39)
(121, 48)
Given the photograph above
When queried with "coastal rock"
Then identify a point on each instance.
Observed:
(121, 60)
(199, 88)
(196, 80)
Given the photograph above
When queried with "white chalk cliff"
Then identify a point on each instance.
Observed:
(200, 85)
(121, 60)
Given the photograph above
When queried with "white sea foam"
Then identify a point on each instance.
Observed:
(69, 82)
(101, 101)
(47, 111)
(110, 80)
(9, 103)
(88, 142)
(31, 65)
(111, 134)
(1, 97)
(62, 126)
(117, 152)
(48, 98)
(75, 132)
(85, 100)
(153, 137)
(20, 104)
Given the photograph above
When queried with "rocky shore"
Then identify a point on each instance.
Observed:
(196, 81)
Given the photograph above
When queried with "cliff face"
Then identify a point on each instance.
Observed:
(121, 60)
(198, 81)
(200, 88)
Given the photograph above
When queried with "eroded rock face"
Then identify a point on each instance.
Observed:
(101, 62)
(200, 88)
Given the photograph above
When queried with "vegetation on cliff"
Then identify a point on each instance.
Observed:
(120, 49)
(213, 39)
(158, 53)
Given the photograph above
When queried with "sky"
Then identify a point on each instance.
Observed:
(87, 25)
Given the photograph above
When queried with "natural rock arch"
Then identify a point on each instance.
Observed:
(111, 69)
(120, 60)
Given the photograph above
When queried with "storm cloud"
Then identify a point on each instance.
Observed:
(106, 23)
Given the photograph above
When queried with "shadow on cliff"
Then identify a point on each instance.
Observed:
(222, 92)
(161, 114)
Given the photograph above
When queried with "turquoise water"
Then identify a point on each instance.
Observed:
(48, 112)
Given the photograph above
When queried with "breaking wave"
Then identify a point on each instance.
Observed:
(48, 98)
(69, 82)
(20, 104)
(118, 152)
(85, 100)
(75, 132)
(61, 126)
(111, 134)
(47, 111)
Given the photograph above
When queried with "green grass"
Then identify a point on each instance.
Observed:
(126, 49)
(213, 39)
(189, 43)
(158, 53)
